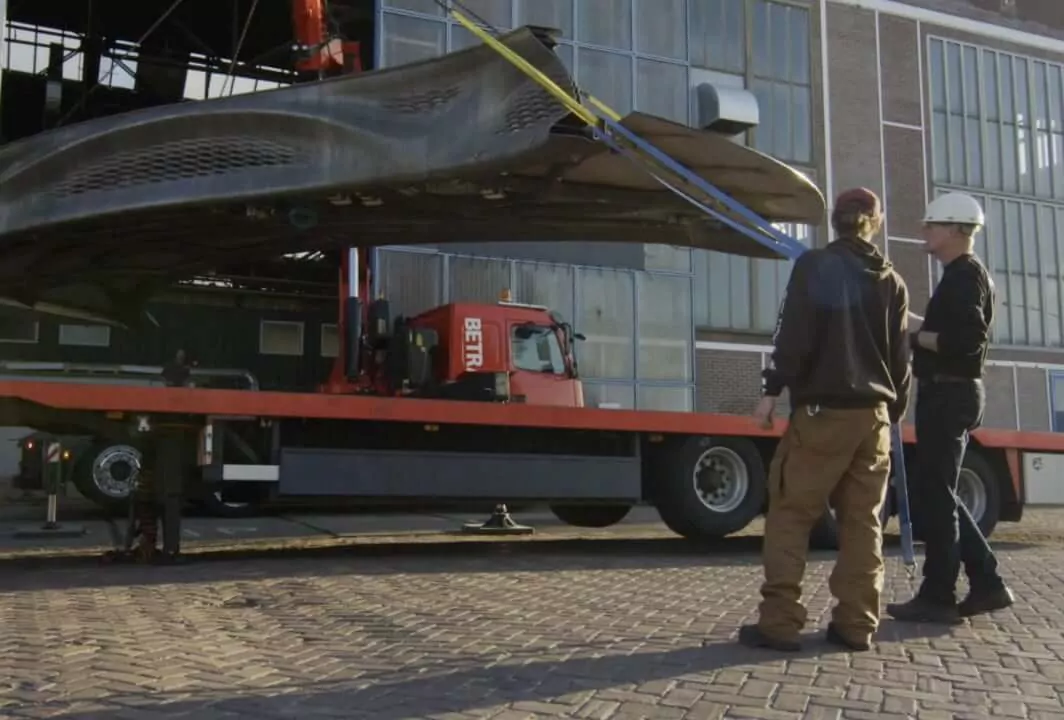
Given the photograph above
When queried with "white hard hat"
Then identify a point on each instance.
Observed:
(955, 207)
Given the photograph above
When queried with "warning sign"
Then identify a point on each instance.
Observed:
(52, 454)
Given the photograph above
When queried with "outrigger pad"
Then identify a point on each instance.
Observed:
(500, 523)
(460, 148)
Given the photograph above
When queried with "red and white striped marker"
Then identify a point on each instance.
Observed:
(52, 454)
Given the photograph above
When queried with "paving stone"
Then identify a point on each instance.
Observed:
(597, 635)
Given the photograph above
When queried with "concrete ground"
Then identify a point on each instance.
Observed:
(370, 622)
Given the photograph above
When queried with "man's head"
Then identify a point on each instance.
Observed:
(950, 224)
(857, 214)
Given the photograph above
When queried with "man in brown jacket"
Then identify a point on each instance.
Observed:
(842, 349)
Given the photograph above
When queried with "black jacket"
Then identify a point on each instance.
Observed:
(842, 336)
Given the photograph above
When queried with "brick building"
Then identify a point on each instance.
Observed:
(908, 98)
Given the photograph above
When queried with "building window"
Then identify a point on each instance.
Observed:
(280, 337)
(330, 340)
(775, 37)
(998, 132)
(85, 335)
(19, 330)
(742, 294)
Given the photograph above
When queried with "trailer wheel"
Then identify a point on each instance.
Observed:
(105, 474)
(590, 516)
(979, 488)
(214, 505)
(711, 487)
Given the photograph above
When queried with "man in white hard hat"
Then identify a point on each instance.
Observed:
(842, 350)
(949, 354)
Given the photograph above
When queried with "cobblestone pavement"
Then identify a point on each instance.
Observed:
(621, 630)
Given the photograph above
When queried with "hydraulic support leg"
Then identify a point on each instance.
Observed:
(500, 523)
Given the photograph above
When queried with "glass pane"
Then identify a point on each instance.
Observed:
(937, 64)
(954, 78)
(661, 28)
(462, 38)
(956, 149)
(1031, 273)
(1017, 305)
(1009, 171)
(665, 399)
(565, 52)
(740, 272)
(662, 89)
(665, 351)
(990, 85)
(971, 82)
(778, 17)
(411, 280)
(762, 41)
(940, 145)
(607, 76)
(408, 40)
(429, 7)
(974, 144)
(735, 34)
(782, 129)
(992, 157)
(495, 13)
(545, 284)
(1057, 142)
(474, 279)
(1040, 97)
(1056, 107)
(547, 13)
(802, 117)
(606, 300)
(1005, 79)
(764, 133)
(799, 45)
(1049, 267)
(605, 22)
(998, 264)
(614, 395)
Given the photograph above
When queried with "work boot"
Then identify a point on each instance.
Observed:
(751, 636)
(922, 610)
(835, 637)
(981, 602)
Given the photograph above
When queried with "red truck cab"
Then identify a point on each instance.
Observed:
(527, 348)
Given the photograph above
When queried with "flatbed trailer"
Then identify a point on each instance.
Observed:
(706, 473)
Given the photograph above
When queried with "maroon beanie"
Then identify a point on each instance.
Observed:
(858, 200)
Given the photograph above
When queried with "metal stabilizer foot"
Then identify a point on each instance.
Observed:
(500, 523)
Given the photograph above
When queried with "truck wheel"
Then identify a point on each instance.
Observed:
(711, 487)
(979, 488)
(825, 534)
(215, 506)
(105, 474)
(590, 516)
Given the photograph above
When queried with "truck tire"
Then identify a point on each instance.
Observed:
(710, 487)
(105, 473)
(590, 516)
(213, 505)
(825, 534)
(979, 488)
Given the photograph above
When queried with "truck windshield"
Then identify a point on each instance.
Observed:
(536, 349)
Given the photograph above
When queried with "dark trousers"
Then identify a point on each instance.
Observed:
(946, 412)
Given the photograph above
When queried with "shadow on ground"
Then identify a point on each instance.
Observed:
(474, 683)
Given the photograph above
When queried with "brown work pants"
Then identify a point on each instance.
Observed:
(837, 455)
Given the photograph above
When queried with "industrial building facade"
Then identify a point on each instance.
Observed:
(906, 98)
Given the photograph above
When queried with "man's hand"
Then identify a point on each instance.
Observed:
(764, 411)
